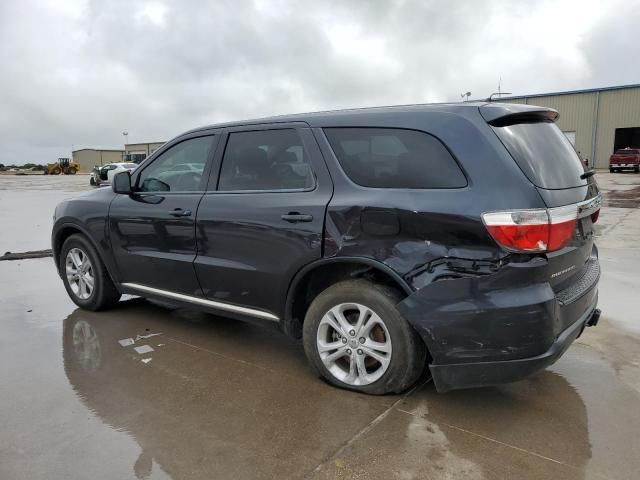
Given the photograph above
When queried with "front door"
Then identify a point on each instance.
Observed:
(262, 219)
(153, 230)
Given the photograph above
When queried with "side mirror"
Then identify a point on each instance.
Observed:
(122, 183)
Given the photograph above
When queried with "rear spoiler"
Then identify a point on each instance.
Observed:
(503, 114)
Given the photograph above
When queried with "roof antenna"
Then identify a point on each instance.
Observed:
(498, 93)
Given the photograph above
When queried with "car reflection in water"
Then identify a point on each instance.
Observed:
(193, 419)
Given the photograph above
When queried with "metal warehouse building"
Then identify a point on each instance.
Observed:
(87, 158)
(597, 121)
(140, 151)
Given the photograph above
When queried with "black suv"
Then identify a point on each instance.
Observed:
(458, 236)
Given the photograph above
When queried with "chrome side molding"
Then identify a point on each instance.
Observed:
(589, 206)
(227, 307)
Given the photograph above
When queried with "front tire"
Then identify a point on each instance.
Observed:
(84, 275)
(355, 338)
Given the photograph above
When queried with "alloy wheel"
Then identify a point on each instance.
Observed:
(354, 344)
(79, 273)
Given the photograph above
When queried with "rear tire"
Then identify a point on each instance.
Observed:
(385, 355)
(636, 169)
(611, 170)
(84, 275)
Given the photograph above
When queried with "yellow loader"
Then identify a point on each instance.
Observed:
(64, 166)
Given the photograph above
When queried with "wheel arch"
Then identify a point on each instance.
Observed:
(314, 277)
(63, 232)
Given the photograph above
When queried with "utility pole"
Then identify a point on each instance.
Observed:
(126, 140)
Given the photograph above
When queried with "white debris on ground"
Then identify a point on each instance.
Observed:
(142, 349)
(140, 337)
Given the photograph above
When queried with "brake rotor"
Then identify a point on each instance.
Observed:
(377, 334)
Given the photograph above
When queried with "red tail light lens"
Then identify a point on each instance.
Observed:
(525, 238)
(519, 230)
(560, 234)
(540, 230)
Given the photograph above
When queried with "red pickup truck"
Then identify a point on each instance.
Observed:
(625, 159)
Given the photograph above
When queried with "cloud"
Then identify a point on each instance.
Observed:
(78, 72)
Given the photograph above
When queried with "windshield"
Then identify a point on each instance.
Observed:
(543, 153)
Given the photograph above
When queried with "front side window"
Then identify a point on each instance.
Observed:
(179, 169)
(265, 160)
(394, 158)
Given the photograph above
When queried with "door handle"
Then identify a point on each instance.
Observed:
(294, 217)
(179, 212)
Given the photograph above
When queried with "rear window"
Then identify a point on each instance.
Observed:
(394, 158)
(543, 153)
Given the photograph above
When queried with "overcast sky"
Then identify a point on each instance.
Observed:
(77, 72)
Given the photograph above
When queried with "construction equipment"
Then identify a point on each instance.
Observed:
(64, 166)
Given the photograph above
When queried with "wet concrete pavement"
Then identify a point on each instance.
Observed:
(28, 202)
(223, 399)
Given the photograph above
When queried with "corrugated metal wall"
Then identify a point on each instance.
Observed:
(576, 115)
(515, 100)
(88, 158)
(618, 108)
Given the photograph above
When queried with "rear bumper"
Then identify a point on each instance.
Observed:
(500, 327)
(468, 375)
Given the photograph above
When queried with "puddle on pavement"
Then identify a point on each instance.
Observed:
(622, 198)
(219, 400)
(195, 410)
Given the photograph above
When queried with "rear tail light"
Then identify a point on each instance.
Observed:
(540, 230)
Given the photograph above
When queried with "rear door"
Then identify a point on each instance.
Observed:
(550, 162)
(262, 216)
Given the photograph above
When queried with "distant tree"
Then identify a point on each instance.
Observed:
(1, 165)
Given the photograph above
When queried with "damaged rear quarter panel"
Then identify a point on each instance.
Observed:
(471, 300)
(504, 315)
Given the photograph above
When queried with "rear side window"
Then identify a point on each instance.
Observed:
(543, 153)
(394, 158)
